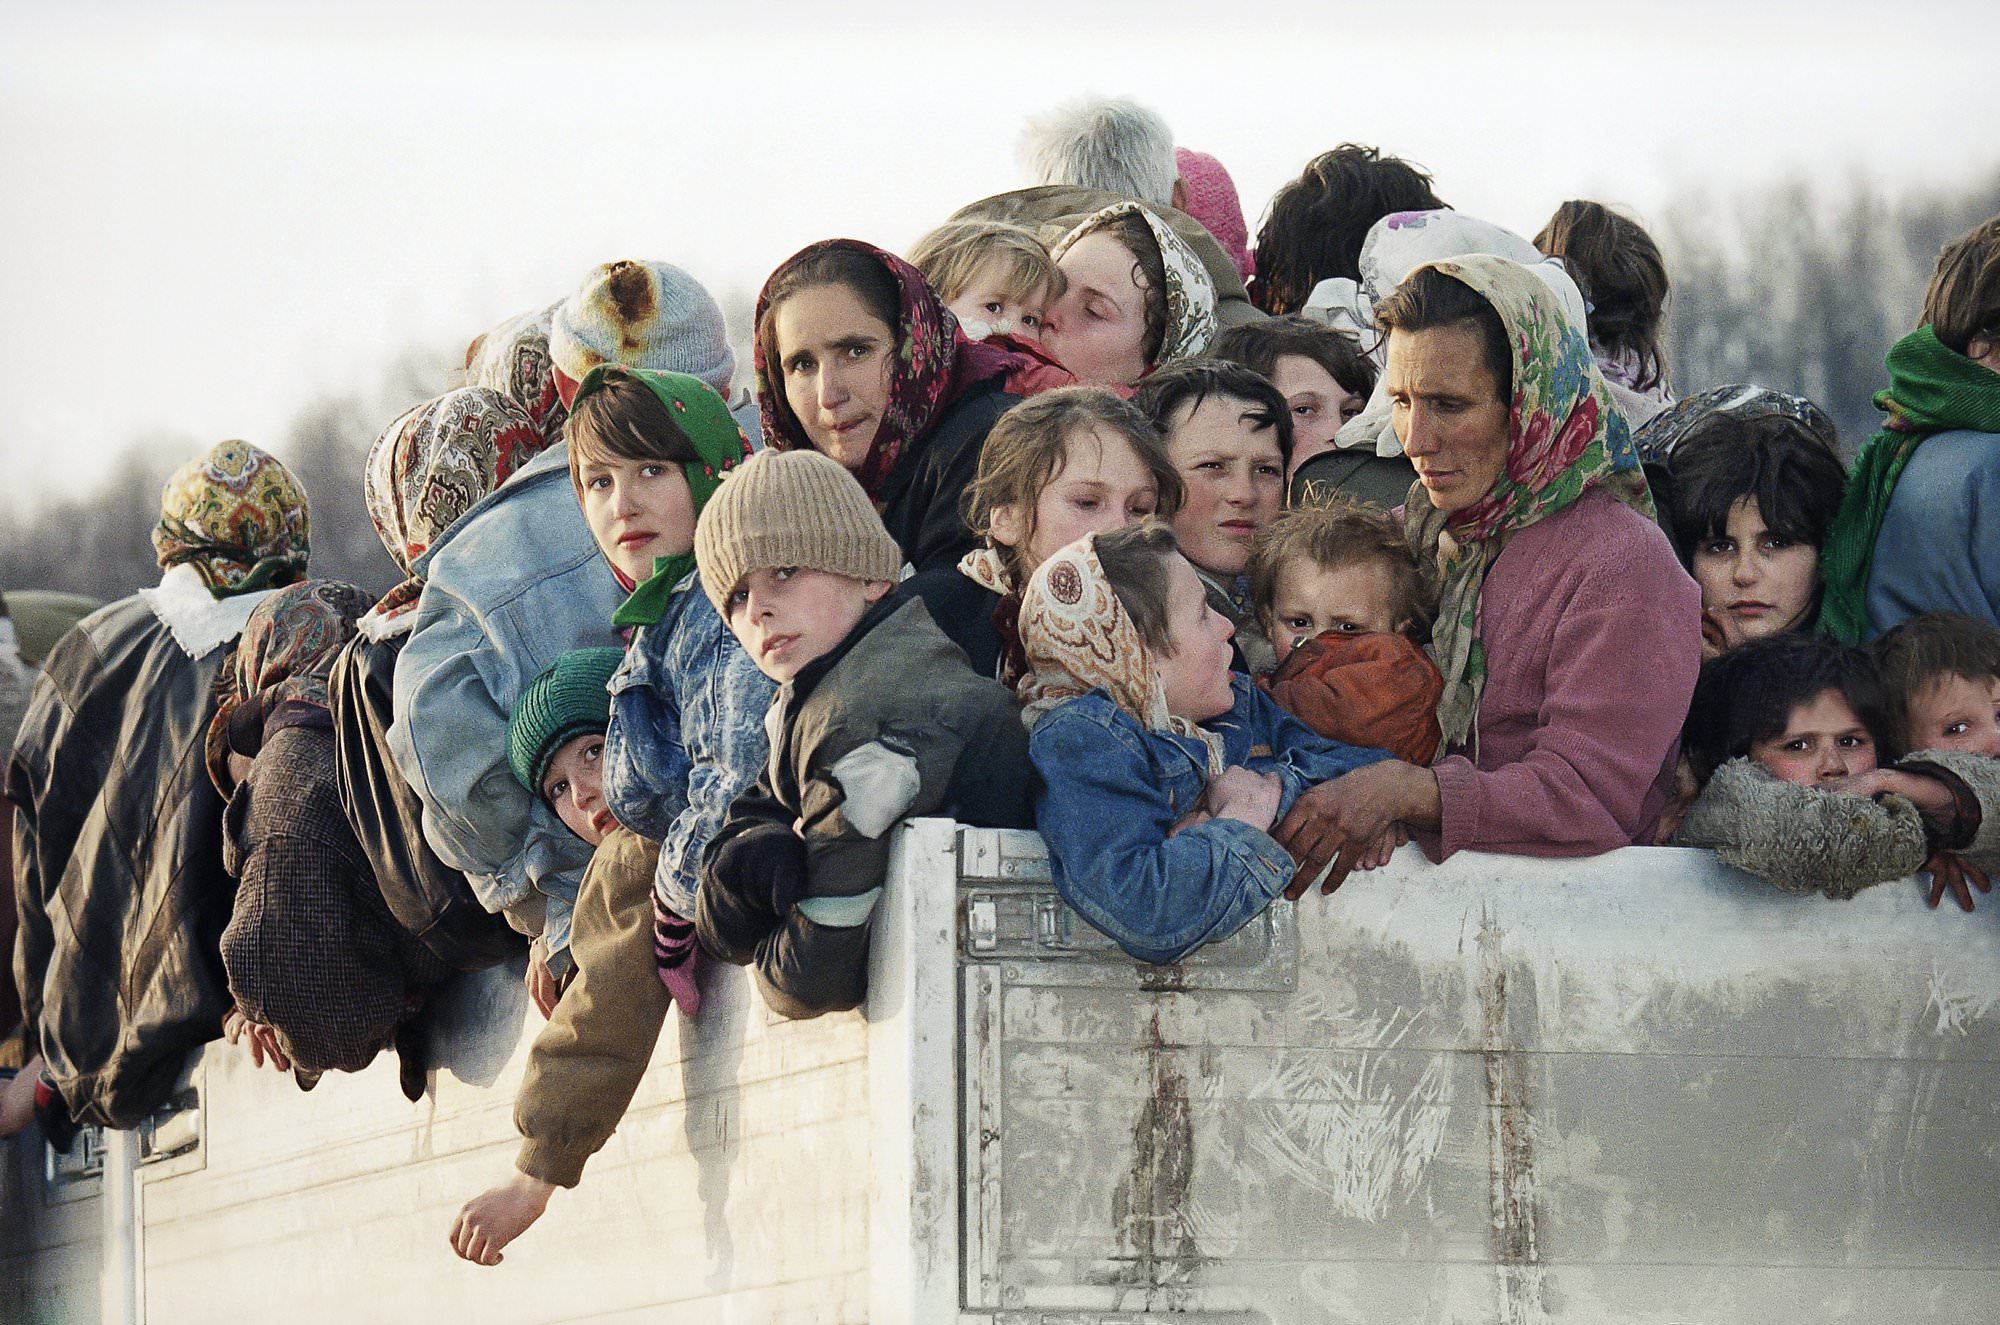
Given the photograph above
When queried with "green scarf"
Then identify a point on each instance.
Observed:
(1932, 389)
(704, 418)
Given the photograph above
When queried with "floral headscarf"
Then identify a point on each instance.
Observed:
(1742, 403)
(513, 359)
(430, 466)
(1190, 289)
(935, 365)
(238, 517)
(1564, 437)
(276, 676)
(1078, 637)
(987, 567)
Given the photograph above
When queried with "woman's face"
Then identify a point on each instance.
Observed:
(1103, 485)
(1319, 405)
(1446, 409)
(837, 360)
(1823, 741)
(1754, 583)
(1098, 328)
(1234, 474)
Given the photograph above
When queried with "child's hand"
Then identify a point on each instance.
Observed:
(1957, 875)
(542, 988)
(1194, 818)
(498, 1215)
(1251, 798)
(1926, 793)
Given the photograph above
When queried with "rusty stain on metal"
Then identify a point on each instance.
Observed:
(1150, 1208)
(1514, 1196)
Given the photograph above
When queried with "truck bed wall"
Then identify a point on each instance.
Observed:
(1640, 1087)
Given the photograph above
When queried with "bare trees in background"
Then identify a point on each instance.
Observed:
(100, 543)
(1801, 287)
(1804, 289)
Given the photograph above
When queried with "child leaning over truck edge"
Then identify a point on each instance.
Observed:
(1163, 771)
(877, 719)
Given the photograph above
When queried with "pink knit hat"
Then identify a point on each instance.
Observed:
(1211, 200)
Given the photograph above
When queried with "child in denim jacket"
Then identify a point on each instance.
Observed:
(877, 719)
(1164, 771)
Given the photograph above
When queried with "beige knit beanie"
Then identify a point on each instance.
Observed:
(790, 508)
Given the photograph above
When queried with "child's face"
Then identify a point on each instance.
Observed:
(637, 510)
(1196, 672)
(1319, 404)
(1754, 583)
(984, 309)
(1102, 485)
(1823, 741)
(786, 616)
(1353, 598)
(574, 785)
(837, 360)
(1956, 713)
(1235, 479)
(1098, 328)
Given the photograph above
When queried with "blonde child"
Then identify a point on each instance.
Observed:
(998, 281)
(1345, 604)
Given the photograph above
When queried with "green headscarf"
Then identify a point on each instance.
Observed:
(1564, 437)
(704, 417)
(1932, 389)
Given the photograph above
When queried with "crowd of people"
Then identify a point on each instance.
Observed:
(1229, 570)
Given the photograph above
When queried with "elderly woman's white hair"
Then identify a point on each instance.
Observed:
(1117, 146)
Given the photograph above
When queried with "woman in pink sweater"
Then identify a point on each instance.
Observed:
(1568, 634)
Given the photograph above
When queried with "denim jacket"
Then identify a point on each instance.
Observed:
(1113, 790)
(687, 735)
(516, 583)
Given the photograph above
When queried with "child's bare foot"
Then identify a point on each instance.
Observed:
(498, 1215)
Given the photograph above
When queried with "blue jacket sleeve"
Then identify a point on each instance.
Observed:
(1106, 816)
(726, 751)
(646, 766)
(1300, 756)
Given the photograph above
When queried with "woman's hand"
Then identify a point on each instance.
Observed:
(1345, 821)
(261, 1040)
(1959, 876)
(1251, 798)
(542, 988)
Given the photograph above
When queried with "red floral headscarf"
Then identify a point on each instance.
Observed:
(935, 365)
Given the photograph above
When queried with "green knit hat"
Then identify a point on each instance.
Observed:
(566, 701)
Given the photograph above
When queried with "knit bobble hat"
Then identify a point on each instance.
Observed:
(642, 315)
(790, 508)
(566, 701)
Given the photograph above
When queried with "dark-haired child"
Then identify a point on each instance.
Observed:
(877, 719)
(1163, 771)
(1229, 434)
(1788, 738)
(1754, 479)
(1326, 380)
(1345, 603)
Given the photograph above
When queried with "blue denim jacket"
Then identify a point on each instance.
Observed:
(516, 583)
(687, 735)
(1113, 790)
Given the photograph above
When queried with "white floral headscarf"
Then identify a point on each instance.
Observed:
(1190, 289)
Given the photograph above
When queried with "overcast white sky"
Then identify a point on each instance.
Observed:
(211, 214)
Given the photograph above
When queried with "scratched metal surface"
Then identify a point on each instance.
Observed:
(1636, 1088)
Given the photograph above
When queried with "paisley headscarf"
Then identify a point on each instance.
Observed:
(987, 567)
(429, 467)
(935, 365)
(513, 359)
(276, 676)
(704, 419)
(1740, 403)
(238, 517)
(1564, 437)
(1077, 637)
(1190, 289)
